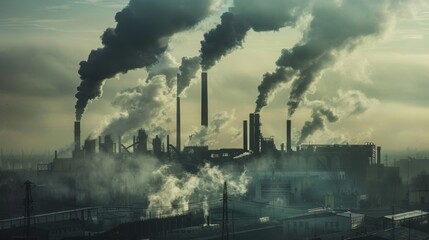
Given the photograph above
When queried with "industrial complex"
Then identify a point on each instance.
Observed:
(307, 191)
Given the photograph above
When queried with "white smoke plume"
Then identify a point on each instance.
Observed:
(208, 135)
(354, 102)
(179, 194)
(146, 105)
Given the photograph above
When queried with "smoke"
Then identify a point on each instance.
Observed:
(147, 105)
(318, 116)
(258, 15)
(354, 102)
(269, 84)
(177, 195)
(207, 135)
(188, 71)
(166, 66)
(142, 33)
(337, 27)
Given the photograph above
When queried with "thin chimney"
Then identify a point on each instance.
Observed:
(204, 100)
(178, 133)
(257, 133)
(252, 131)
(245, 135)
(76, 136)
(288, 135)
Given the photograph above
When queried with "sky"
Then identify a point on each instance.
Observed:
(378, 89)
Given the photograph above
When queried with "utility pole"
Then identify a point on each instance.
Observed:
(225, 232)
(28, 207)
(393, 222)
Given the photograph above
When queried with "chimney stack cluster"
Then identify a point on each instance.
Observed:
(254, 132)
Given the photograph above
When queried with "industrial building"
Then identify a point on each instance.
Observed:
(284, 182)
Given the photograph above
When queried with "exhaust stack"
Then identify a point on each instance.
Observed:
(76, 136)
(245, 148)
(178, 147)
(288, 135)
(252, 131)
(204, 100)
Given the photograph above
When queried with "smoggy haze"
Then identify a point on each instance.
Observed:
(374, 89)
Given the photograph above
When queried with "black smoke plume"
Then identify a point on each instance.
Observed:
(142, 33)
(270, 15)
(336, 27)
(188, 71)
(319, 114)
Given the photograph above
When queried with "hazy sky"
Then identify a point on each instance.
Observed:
(380, 89)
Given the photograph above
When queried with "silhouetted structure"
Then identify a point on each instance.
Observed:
(288, 135)
(156, 146)
(245, 147)
(204, 101)
(141, 141)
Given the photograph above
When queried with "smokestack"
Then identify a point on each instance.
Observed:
(119, 144)
(56, 155)
(100, 145)
(76, 136)
(288, 135)
(245, 135)
(168, 146)
(204, 100)
(252, 131)
(178, 147)
(379, 155)
(257, 132)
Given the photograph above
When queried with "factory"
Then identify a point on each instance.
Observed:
(308, 189)
(291, 174)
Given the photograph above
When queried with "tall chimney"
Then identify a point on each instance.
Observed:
(252, 131)
(245, 148)
(178, 147)
(288, 135)
(257, 132)
(77, 136)
(168, 146)
(119, 144)
(379, 155)
(100, 144)
(204, 100)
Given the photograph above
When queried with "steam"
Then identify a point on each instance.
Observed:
(337, 27)
(147, 105)
(166, 66)
(354, 102)
(176, 195)
(318, 116)
(258, 15)
(142, 33)
(205, 135)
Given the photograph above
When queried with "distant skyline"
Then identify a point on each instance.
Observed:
(379, 90)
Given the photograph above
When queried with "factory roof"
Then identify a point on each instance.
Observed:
(407, 215)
